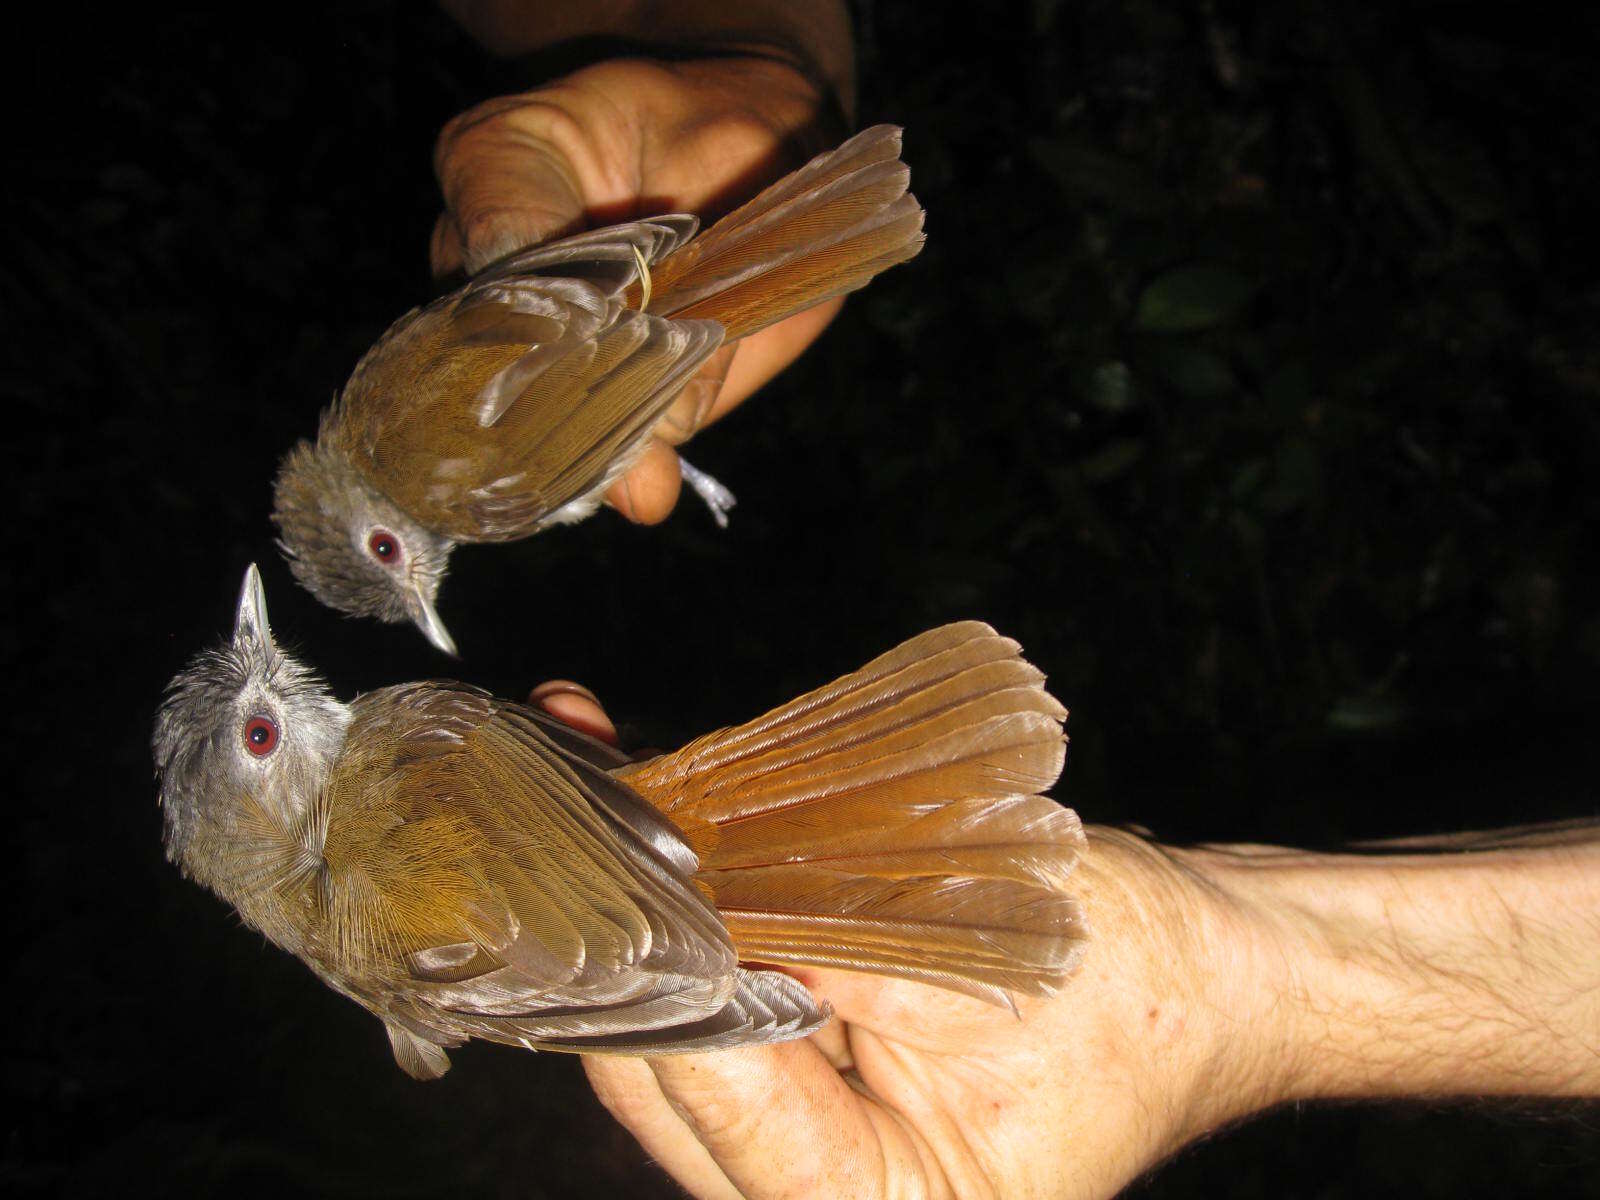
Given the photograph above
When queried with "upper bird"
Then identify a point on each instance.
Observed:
(513, 403)
(463, 866)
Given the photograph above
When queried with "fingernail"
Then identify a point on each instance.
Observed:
(562, 687)
(575, 705)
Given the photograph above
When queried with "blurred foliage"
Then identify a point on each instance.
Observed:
(1297, 314)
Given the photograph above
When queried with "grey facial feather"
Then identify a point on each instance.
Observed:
(325, 511)
(199, 746)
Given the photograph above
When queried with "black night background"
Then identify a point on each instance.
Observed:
(1249, 379)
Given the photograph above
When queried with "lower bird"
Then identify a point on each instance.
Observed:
(463, 866)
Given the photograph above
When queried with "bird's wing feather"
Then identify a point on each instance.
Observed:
(531, 387)
(505, 887)
(602, 256)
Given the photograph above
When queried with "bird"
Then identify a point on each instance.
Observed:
(512, 404)
(463, 866)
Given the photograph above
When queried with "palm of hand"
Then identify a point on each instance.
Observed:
(913, 1090)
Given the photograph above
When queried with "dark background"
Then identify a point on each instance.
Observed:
(1249, 378)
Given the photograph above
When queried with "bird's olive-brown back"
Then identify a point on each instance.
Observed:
(462, 844)
(484, 413)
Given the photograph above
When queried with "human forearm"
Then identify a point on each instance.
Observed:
(1462, 972)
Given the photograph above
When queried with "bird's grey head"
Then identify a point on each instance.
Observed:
(352, 548)
(245, 733)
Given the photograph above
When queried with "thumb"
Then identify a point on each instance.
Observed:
(505, 185)
(780, 1121)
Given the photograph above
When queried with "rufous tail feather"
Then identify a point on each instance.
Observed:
(820, 232)
(891, 821)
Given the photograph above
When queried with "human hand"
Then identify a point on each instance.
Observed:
(915, 1089)
(625, 139)
(1219, 981)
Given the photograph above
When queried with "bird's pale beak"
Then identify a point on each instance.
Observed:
(427, 619)
(250, 622)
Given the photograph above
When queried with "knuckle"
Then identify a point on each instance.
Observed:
(721, 1115)
(534, 122)
(741, 133)
(488, 233)
(469, 127)
(625, 1092)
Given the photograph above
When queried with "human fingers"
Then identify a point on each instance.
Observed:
(780, 1122)
(762, 355)
(509, 175)
(649, 491)
(733, 373)
(603, 145)
(577, 706)
(629, 1090)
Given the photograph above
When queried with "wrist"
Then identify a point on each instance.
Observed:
(1204, 1037)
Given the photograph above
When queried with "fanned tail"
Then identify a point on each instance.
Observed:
(891, 822)
(820, 232)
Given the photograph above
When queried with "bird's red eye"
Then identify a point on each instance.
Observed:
(384, 545)
(260, 736)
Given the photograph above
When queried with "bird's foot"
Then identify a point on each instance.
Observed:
(717, 498)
